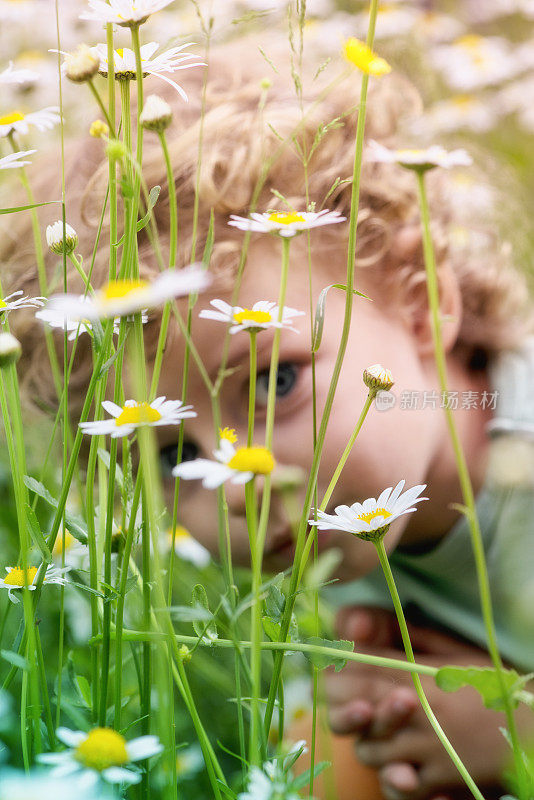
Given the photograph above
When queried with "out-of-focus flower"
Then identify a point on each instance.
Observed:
(285, 224)
(57, 319)
(392, 19)
(54, 237)
(10, 349)
(261, 316)
(7, 304)
(237, 466)
(81, 65)
(170, 60)
(40, 783)
(125, 419)
(123, 12)
(419, 160)
(100, 754)
(472, 62)
(12, 161)
(98, 129)
(18, 122)
(188, 548)
(515, 98)
(13, 75)
(457, 113)
(371, 519)
(156, 114)
(17, 578)
(123, 297)
(359, 54)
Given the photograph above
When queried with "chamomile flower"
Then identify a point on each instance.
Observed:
(371, 519)
(187, 548)
(8, 304)
(125, 419)
(12, 75)
(170, 60)
(123, 12)
(18, 122)
(472, 62)
(122, 297)
(461, 112)
(261, 316)
(69, 548)
(54, 237)
(237, 466)
(285, 223)
(57, 319)
(429, 158)
(17, 578)
(100, 754)
(12, 161)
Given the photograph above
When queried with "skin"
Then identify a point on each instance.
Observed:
(399, 443)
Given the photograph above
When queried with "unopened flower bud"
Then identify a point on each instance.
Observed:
(185, 653)
(54, 237)
(378, 378)
(98, 129)
(81, 65)
(265, 84)
(10, 349)
(156, 114)
(115, 150)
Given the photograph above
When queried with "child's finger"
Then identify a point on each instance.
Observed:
(408, 745)
(353, 717)
(393, 712)
(376, 627)
(399, 781)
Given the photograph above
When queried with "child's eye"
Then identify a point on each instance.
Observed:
(285, 382)
(169, 454)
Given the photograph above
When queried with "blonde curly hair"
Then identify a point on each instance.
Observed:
(249, 129)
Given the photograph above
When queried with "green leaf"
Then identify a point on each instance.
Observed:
(485, 680)
(82, 684)
(200, 599)
(275, 601)
(14, 658)
(304, 779)
(318, 324)
(143, 222)
(321, 661)
(37, 534)
(26, 208)
(191, 614)
(74, 523)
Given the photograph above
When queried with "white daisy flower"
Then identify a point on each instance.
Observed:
(461, 112)
(100, 754)
(54, 237)
(261, 316)
(371, 519)
(187, 548)
(472, 62)
(17, 578)
(57, 319)
(391, 20)
(123, 12)
(18, 122)
(237, 466)
(285, 224)
(429, 158)
(123, 297)
(7, 304)
(125, 419)
(12, 161)
(38, 783)
(69, 547)
(169, 61)
(12, 75)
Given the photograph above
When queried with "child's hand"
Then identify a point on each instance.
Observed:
(393, 733)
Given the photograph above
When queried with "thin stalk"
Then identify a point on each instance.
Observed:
(466, 485)
(252, 386)
(455, 758)
(102, 107)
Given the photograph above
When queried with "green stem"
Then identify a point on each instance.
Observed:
(455, 758)
(252, 386)
(465, 483)
(103, 109)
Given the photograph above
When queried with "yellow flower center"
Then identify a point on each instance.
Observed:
(140, 414)
(59, 547)
(363, 57)
(180, 533)
(247, 315)
(470, 41)
(116, 290)
(286, 219)
(3, 304)
(120, 51)
(9, 119)
(258, 460)
(402, 154)
(229, 434)
(102, 748)
(17, 577)
(368, 516)
(462, 100)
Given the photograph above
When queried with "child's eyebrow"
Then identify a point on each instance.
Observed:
(242, 350)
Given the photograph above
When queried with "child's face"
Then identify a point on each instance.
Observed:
(392, 444)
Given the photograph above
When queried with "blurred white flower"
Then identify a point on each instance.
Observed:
(262, 315)
(472, 62)
(18, 122)
(12, 75)
(462, 112)
(285, 224)
(56, 319)
(188, 548)
(12, 161)
(392, 19)
(123, 12)
(429, 158)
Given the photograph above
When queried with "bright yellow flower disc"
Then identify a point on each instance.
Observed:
(258, 460)
(229, 434)
(16, 577)
(14, 116)
(115, 290)
(247, 315)
(103, 748)
(285, 219)
(140, 414)
(363, 57)
(377, 512)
